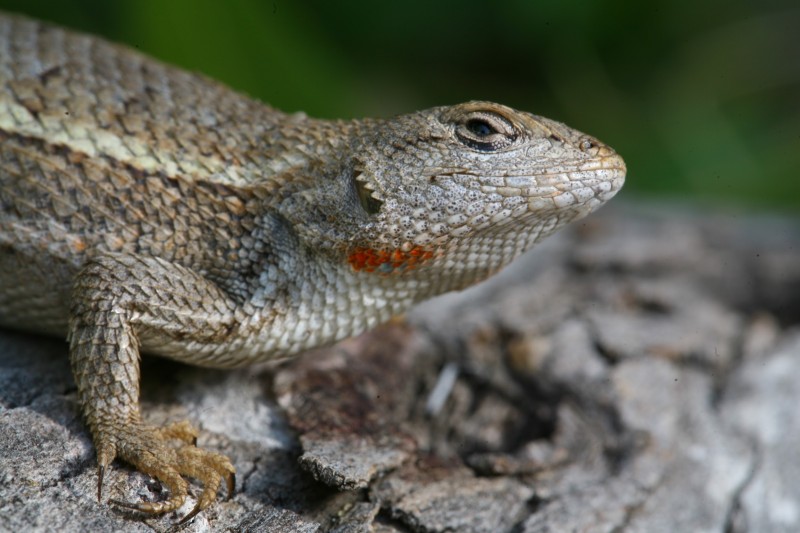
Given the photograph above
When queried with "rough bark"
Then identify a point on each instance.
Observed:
(636, 373)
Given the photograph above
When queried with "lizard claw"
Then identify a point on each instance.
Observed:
(191, 514)
(230, 481)
(150, 451)
(126, 505)
(101, 472)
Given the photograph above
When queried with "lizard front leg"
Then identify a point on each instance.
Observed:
(117, 302)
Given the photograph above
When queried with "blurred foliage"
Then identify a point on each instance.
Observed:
(702, 98)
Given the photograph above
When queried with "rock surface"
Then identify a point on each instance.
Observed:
(636, 373)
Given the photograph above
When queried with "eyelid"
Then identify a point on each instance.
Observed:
(503, 135)
(498, 121)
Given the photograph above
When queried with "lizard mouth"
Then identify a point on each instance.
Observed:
(601, 178)
(559, 195)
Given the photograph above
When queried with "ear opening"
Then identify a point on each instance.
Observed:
(366, 194)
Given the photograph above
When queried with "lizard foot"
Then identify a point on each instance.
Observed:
(150, 451)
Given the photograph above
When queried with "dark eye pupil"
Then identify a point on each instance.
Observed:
(480, 128)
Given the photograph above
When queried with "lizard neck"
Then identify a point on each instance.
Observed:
(306, 301)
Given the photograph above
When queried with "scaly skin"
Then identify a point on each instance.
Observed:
(144, 208)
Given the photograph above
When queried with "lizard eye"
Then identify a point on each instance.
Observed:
(486, 131)
(480, 128)
(368, 202)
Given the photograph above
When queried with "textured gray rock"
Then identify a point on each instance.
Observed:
(761, 402)
(638, 373)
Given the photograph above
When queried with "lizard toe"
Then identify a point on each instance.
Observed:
(181, 430)
(150, 450)
(210, 468)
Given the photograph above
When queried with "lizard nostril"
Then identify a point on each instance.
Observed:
(587, 145)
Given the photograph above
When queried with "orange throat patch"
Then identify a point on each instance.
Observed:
(387, 261)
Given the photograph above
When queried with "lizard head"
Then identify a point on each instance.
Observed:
(456, 191)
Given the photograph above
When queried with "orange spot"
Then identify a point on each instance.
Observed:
(387, 261)
(78, 245)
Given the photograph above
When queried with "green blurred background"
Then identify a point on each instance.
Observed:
(702, 98)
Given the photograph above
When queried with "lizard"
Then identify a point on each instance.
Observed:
(147, 209)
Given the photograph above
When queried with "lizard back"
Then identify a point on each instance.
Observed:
(104, 149)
